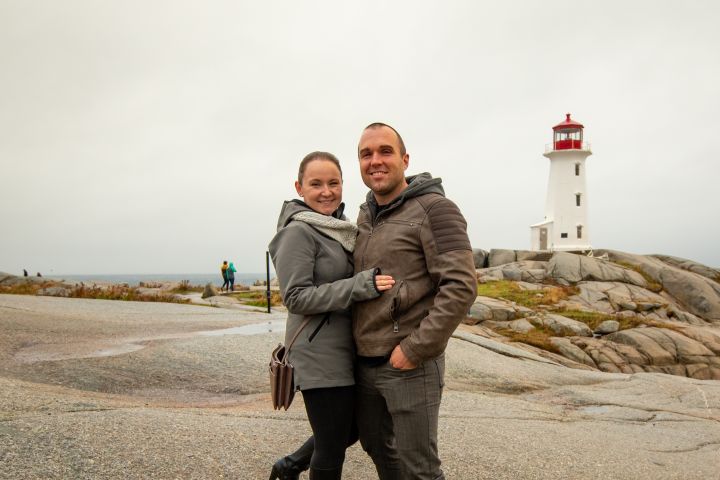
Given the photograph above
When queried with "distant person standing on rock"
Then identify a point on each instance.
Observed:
(312, 253)
(231, 276)
(223, 272)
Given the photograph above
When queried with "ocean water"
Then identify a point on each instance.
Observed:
(134, 280)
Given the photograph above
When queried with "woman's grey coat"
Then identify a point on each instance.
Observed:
(316, 277)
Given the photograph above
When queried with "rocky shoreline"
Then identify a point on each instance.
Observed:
(109, 389)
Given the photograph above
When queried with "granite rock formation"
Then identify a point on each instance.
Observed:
(619, 312)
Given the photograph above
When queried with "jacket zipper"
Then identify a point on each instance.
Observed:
(326, 319)
(396, 324)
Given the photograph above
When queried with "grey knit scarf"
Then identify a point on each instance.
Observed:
(341, 230)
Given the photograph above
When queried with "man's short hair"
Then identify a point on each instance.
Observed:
(403, 151)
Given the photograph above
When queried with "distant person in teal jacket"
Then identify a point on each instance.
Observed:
(231, 276)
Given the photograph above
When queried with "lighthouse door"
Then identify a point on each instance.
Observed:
(543, 239)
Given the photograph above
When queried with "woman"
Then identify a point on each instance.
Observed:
(231, 277)
(312, 254)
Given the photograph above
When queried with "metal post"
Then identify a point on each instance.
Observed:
(267, 271)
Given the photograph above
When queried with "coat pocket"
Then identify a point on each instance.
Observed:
(440, 366)
(399, 305)
(325, 319)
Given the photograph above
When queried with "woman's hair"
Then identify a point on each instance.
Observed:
(317, 156)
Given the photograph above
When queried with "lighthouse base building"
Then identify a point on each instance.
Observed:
(565, 227)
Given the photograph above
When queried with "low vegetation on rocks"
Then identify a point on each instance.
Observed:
(20, 286)
(119, 292)
(539, 337)
(512, 291)
(185, 287)
(258, 298)
(590, 318)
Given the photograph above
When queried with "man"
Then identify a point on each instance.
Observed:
(409, 230)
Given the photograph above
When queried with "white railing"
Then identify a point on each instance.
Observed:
(585, 146)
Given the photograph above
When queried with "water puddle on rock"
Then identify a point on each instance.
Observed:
(58, 352)
(274, 326)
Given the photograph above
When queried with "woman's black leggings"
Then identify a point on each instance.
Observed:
(330, 411)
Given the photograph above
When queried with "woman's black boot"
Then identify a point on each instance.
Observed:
(286, 469)
(290, 467)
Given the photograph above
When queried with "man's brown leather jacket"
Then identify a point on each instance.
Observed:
(420, 239)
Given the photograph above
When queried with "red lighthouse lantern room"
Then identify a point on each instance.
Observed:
(568, 135)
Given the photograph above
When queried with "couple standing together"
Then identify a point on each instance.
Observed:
(384, 297)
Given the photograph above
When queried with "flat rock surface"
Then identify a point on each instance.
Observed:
(182, 403)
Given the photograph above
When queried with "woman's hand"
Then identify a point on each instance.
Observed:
(384, 282)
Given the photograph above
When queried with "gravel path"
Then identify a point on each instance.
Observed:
(185, 405)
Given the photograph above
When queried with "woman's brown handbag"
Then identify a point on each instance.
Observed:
(282, 384)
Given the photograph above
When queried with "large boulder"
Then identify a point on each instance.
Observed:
(662, 347)
(611, 297)
(9, 280)
(527, 271)
(607, 327)
(574, 268)
(710, 337)
(501, 257)
(560, 325)
(498, 256)
(691, 266)
(495, 309)
(480, 257)
(696, 293)
(55, 291)
(569, 350)
(520, 325)
(538, 256)
(210, 291)
(686, 351)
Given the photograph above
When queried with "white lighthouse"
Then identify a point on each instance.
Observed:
(565, 225)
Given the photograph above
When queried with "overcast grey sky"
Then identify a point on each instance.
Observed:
(163, 136)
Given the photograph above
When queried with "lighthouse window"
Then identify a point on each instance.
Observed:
(563, 235)
(577, 169)
(577, 199)
(579, 231)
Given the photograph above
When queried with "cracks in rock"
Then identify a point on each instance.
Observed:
(496, 417)
(707, 405)
(17, 308)
(653, 411)
(696, 448)
(82, 410)
(23, 416)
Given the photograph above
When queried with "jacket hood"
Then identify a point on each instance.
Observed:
(292, 207)
(419, 184)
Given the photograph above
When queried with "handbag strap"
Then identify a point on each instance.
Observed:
(302, 325)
